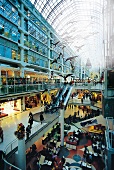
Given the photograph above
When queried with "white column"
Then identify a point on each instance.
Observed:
(61, 120)
(21, 154)
(22, 72)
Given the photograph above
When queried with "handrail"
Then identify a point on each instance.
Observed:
(11, 164)
(38, 131)
(78, 127)
(10, 144)
(60, 97)
(68, 94)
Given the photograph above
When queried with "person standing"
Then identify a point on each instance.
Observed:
(41, 117)
(28, 131)
(82, 100)
(1, 134)
(30, 121)
(2, 156)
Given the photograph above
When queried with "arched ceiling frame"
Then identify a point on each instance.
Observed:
(64, 9)
(76, 20)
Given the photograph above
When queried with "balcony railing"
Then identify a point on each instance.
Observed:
(22, 88)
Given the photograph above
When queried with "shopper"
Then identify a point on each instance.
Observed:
(28, 131)
(30, 121)
(1, 134)
(41, 117)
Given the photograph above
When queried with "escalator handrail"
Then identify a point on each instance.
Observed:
(78, 127)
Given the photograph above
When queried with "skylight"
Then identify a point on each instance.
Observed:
(79, 23)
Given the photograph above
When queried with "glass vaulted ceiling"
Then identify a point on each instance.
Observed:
(79, 23)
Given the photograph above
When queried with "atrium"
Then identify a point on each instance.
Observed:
(56, 84)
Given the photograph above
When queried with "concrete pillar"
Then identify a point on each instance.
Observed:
(23, 103)
(62, 125)
(21, 154)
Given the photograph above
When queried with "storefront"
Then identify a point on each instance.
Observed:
(10, 107)
(32, 100)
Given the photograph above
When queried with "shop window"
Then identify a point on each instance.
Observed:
(14, 36)
(46, 63)
(19, 21)
(2, 51)
(6, 32)
(3, 80)
(42, 63)
(18, 37)
(37, 34)
(37, 48)
(30, 44)
(8, 52)
(14, 54)
(43, 51)
(25, 25)
(19, 57)
(32, 59)
(19, 54)
(37, 61)
(26, 56)
(1, 29)
(40, 49)
(26, 43)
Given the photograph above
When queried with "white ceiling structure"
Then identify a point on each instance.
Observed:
(79, 23)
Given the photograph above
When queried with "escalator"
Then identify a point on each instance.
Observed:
(61, 94)
(81, 129)
(55, 105)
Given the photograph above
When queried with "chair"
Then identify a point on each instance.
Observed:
(42, 159)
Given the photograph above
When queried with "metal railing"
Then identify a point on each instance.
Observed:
(90, 86)
(11, 146)
(109, 133)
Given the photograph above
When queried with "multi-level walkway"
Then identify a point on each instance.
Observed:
(9, 124)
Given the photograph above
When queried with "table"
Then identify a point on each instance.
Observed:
(48, 162)
(72, 168)
(71, 143)
(85, 165)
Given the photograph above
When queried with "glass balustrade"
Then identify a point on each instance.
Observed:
(21, 88)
